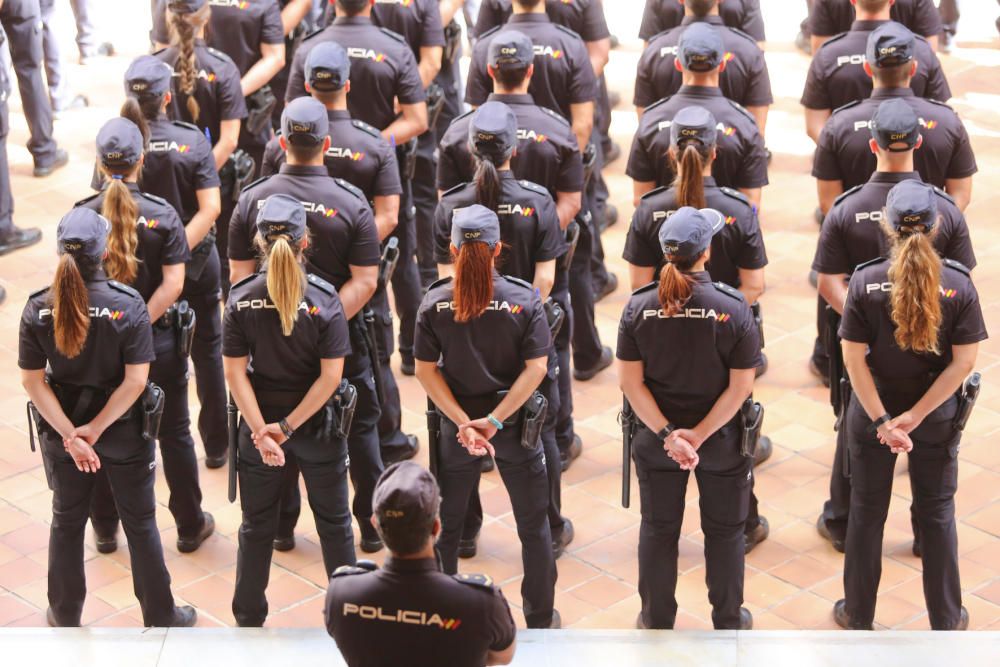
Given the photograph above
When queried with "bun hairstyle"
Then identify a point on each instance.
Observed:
(183, 28)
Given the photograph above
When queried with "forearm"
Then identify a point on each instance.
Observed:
(430, 63)
(545, 277)
(448, 9)
(293, 13)
(827, 192)
(833, 289)
(314, 400)
(354, 294)
(201, 222)
(960, 190)
(944, 387)
(640, 275)
(242, 391)
(862, 382)
(599, 52)
(815, 120)
(723, 411)
(411, 123)
(45, 401)
(240, 269)
(568, 204)
(759, 115)
(270, 63)
(164, 297)
(526, 383)
(123, 398)
(639, 188)
(753, 194)
(644, 405)
(439, 392)
(229, 135)
(386, 215)
(751, 284)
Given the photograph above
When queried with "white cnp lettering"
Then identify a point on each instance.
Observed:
(877, 287)
(856, 59)
(874, 216)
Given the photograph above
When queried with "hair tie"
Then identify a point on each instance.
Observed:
(116, 177)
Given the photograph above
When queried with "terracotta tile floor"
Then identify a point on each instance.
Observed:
(791, 580)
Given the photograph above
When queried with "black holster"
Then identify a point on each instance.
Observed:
(406, 155)
(433, 437)
(34, 427)
(555, 315)
(387, 265)
(836, 369)
(589, 163)
(759, 321)
(345, 401)
(152, 402)
(572, 239)
(967, 400)
(184, 323)
(260, 106)
(371, 336)
(435, 104)
(629, 423)
(533, 420)
(200, 256)
(236, 174)
(752, 419)
(452, 44)
(233, 419)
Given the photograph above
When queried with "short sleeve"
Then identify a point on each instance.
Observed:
(30, 353)
(161, 30)
(387, 181)
(447, 168)
(651, 23)
(96, 179)
(640, 164)
(409, 88)
(334, 340)
(442, 234)
(826, 167)
(365, 249)
(432, 33)
(234, 340)
(822, 22)
(175, 248)
(297, 76)
(137, 348)
(502, 629)
(854, 325)
(426, 345)
(583, 84)
(537, 339)
(752, 254)
(832, 257)
(595, 25)
(926, 19)
(479, 86)
(570, 177)
(550, 242)
(638, 248)
(205, 174)
(240, 235)
(645, 72)
(969, 325)
(628, 347)
(272, 29)
(937, 85)
(490, 16)
(753, 166)
(746, 349)
(232, 104)
(759, 83)
(753, 20)
(959, 246)
(963, 160)
(271, 162)
(816, 95)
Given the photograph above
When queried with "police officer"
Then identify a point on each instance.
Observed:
(843, 158)
(482, 349)
(412, 593)
(84, 353)
(910, 339)
(147, 249)
(344, 251)
(547, 154)
(745, 79)
(832, 17)
(741, 161)
(851, 236)
(662, 15)
(688, 403)
(285, 341)
(178, 166)
(533, 242)
(836, 76)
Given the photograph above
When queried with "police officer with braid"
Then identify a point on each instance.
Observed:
(84, 351)
(911, 330)
(482, 349)
(147, 249)
(344, 251)
(285, 341)
(687, 350)
(738, 255)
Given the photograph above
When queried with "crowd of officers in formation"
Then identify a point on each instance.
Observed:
(299, 177)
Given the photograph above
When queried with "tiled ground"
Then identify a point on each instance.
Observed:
(791, 580)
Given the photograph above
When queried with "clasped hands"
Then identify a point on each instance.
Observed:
(895, 433)
(80, 445)
(682, 446)
(268, 441)
(475, 436)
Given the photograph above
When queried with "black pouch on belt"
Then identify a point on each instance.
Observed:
(184, 323)
(435, 104)
(752, 418)
(589, 163)
(555, 315)
(152, 411)
(390, 257)
(236, 174)
(200, 256)
(533, 412)
(345, 401)
(452, 43)
(406, 155)
(260, 106)
(967, 400)
(572, 239)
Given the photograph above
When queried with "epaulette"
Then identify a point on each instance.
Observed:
(255, 183)
(462, 115)
(743, 34)
(39, 292)
(735, 194)
(870, 262)
(558, 116)
(943, 194)
(654, 191)
(86, 199)
(939, 103)
(277, 133)
(321, 284)
(728, 290)
(345, 570)
(353, 189)
(653, 38)
(186, 125)
(479, 580)
(958, 266)
(365, 127)
(439, 282)
(313, 33)
(518, 281)
(122, 287)
(656, 104)
(488, 32)
(833, 39)
(159, 51)
(534, 187)
(742, 109)
(395, 35)
(221, 55)
(645, 288)
(844, 195)
(850, 104)
(460, 186)
(567, 30)
(243, 281)
(153, 198)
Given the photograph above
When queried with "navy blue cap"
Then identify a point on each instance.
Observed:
(511, 49)
(406, 494)
(304, 122)
(911, 203)
(474, 224)
(689, 231)
(493, 131)
(185, 6)
(328, 67)
(895, 122)
(693, 124)
(890, 44)
(82, 232)
(147, 76)
(700, 48)
(119, 143)
(281, 214)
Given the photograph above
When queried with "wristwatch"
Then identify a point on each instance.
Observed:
(884, 419)
(665, 432)
(286, 429)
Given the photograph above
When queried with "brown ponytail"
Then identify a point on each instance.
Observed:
(286, 282)
(182, 27)
(473, 280)
(915, 274)
(140, 111)
(121, 211)
(488, 186)
(676, 284)
(690, 181)
(70, 307)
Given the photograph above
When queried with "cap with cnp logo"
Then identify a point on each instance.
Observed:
(82, 233)
(689, 231)
(327, 67)
(119, 143)
(895, 122)
(185, 6)
(493, 131)
(282, 215)
(890, 44)
(511, 49)
(147, 77)
(701, 48)
(406, 495)
(474, 224)
(304, 122)
(693, 124)
(911, 203)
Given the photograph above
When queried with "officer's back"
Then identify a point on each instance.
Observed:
(409, 612)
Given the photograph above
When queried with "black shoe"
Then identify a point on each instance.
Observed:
(105, 49)
(746, 619)
(760, 370)
(639, 625)
(106, 544)
(286, 543)
(468, 548)
(188, 544)
(488, 464)
(609, 288)
(584, 374)
(756, 536)
(615, 42)
(75, 102)
(559, 545)
(610, 212)
(50, 618)
(61, 160)
(215, 462)
(407, 366)
(370, 541)
(819, 372)
(184, 617)
(571, 453)
(405, 452)
(963, 621)
(945, 42)
(765, 448)
(18, 238)
(767, 151)
(556, 620)
(917, 551)
(614, 98)
(613, 153)
(818, 215)
(803, 43)
(842, 618)
(824, 532)
(814, 278)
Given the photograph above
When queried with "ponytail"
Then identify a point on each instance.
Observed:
(915, 274)
(286, 282)
(488, 185)
(676, 284)
(473, 280)
(182, 35)
(70, 307)
(690, 181)
(121, 211)
(140, 111)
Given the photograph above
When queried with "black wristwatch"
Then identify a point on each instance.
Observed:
(665, 432)
(884, 419)
(286, 429)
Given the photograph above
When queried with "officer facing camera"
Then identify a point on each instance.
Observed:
(396, 615)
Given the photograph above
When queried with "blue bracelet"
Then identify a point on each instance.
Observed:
(496, 422)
